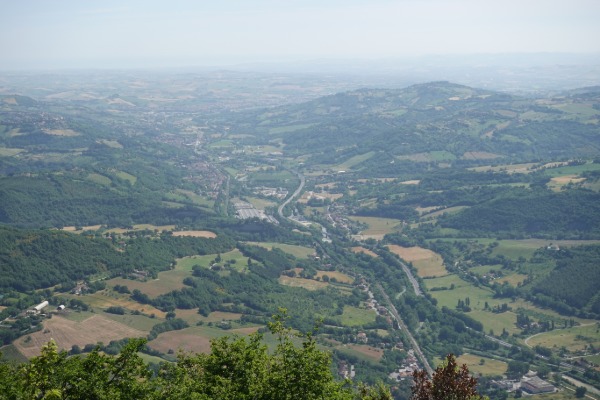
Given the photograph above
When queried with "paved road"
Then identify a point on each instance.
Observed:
(289, 199)
(412, 340)
(412, 279)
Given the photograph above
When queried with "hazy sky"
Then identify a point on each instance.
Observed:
(111, 33)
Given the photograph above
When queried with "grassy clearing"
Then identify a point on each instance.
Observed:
(99, 179)
(107, 298)
(360, 249)
(489, 367)
(296, 251)
(449, 210)
(194, 339)
(9, 152)
(354, 316)
(573, 339)
(61, 132)
(128, 177)
(496, 322)
(235, 257)
(572, 170)
(201, 234)
(427, 262)
(353, 161)
(362, 351)
(478, 297)
(11, 354)
(289, 128)
(479, 155)
(139, 322)
(167, 281)
(379, 226)
(429, 157)
(195, 198)
(192, 317)
(260, 204)
(308, 284)
(339, 276)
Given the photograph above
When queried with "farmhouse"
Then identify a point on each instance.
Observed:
(38, 309)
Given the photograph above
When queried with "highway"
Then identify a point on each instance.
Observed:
(289, 199)
(412, 340)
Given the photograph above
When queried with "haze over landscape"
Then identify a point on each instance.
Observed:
(147, 34)
(300, 199)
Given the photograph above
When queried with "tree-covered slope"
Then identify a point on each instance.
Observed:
(437, 116)
(533, 213)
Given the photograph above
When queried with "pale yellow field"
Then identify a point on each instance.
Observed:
(105, 298)
(339, 276)
(67, 333)
(85, 228)
(360, 249)
(490, 366)
(427, 262)
(61, 132)
(378, 226)
(202, 234)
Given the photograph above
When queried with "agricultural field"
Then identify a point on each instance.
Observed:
(192, 317)
(490, 366)
(574, 339)
(166, 282)
(193, 339)
(235, 257)
(107, 298)
(360, 249)
(557, 183)
(10, 353)
(308, 284)
(9, 152)
(260, 204)
(378, 227)
(437, 213)
(354, 316)
(126, 176)
(339, 276)
(362, 351)
(140, 322)
(353, 161)
(201, 234)
(67, 333)
(427, 262)
(296, 251)
(477, 297)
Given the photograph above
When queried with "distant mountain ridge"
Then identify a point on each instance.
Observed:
(436, 116)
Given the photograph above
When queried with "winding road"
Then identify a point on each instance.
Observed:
(289, 199)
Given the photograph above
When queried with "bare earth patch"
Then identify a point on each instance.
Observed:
(202, 234)
(67, 333)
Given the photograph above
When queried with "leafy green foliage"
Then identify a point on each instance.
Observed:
(236, 368)
(575, 278)
(572, 214)
(40, 259)
(449, 382)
